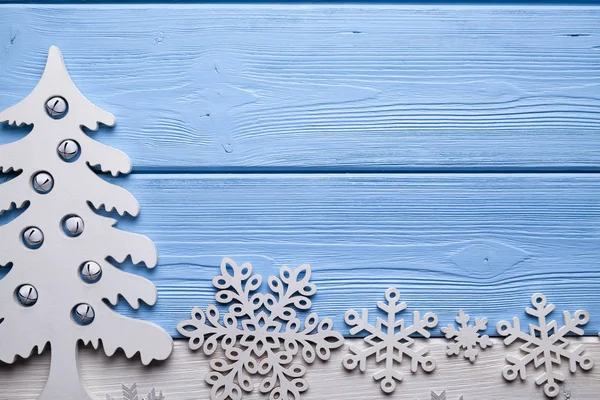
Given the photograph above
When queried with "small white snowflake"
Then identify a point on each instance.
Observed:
(467, 336)
(391, 345)
(545, 344)
(131, 393)
(260, 333)
(441, 396)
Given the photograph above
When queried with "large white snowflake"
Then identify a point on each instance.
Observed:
(260, 333)
(545, 344)
(467, 336)
(389, 345)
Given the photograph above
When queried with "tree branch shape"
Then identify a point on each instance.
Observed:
(13, 194)
(72, 236)
(260, 333)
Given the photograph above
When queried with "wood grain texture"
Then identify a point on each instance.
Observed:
(182, 377)
(267, 87)
(434, 2)
(483, 243)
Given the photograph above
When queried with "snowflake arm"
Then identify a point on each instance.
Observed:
(316, 339)
(420, 325)
(360, 323)
(229, 379)
(359, 356)
(203, 325)
(204, 330)
(293, 288)
(291, 383)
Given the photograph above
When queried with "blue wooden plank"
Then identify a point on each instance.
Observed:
(344, 88)
(483, 243)
(434, 2)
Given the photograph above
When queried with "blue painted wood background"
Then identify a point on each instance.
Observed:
(450, 151)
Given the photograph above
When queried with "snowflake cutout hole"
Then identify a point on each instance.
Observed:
(260, 334)
(546, 344)
(389, 340)
(467, 336)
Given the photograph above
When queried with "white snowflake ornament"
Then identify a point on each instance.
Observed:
(545, 344)
(441, 396)
(44, 298)
(389, 340)
(467, 336)
(260, 333)
(131, 393)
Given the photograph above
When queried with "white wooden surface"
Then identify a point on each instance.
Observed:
(328, 381)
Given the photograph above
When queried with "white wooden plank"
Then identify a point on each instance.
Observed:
(205, 87)
(182, 377)
(479, 242)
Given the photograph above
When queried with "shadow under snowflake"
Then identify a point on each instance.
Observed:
(390, 346)
(545, 344)
(131, 393)
(260, 333)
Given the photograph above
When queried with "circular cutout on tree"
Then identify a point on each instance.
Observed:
(83, 314)
(57, 107)
(68, 150)
(42, 182)
(73, 225)
(91, 272)
(27, 295)
(33, 237)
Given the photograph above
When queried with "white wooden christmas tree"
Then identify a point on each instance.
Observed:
(58, 248)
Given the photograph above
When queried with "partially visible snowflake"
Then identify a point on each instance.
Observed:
(131, 393)
(545, 344)
(467, 336)
(441, 396)
(260, 333)
(391, 345)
